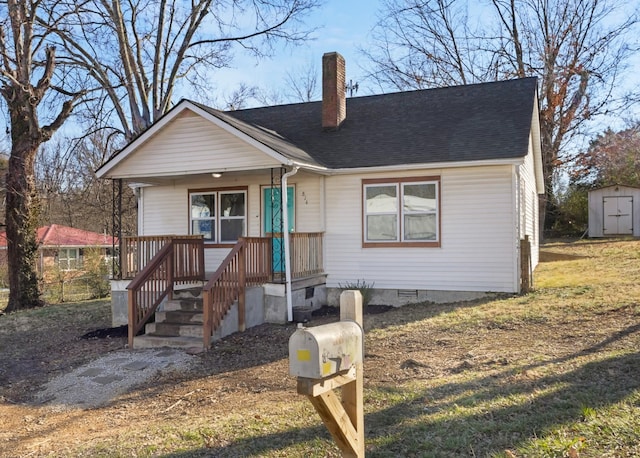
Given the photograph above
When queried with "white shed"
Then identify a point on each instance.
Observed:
(614, 210)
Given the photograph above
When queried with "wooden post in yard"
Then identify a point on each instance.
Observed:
(526, 281)
(323, 346)
(352, 392)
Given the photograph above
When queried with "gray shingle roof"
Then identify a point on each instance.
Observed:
(460, 123)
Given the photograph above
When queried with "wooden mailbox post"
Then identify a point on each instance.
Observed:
(328, 357)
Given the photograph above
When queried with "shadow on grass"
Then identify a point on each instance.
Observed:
(480, 416)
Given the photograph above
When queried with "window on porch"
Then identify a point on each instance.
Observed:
(219, 216)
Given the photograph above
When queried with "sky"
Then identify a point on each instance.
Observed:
(343, 26)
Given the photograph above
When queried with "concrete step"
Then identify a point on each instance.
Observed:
(150, 341)
(174, 329)
(187, 304)
(188, 291)
(180, 317)
(180, 324)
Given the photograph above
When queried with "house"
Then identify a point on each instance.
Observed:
(63, 247)
(423, 195)
(614, 210)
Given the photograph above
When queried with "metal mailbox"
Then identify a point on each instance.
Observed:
(325, 350)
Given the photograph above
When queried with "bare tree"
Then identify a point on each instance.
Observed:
(28, 87)
(303, 84)
(71, 193)
(577, 48)
(240, 97)
(300, 85)
(141, 51)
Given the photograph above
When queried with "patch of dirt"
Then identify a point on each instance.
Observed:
(30, 356)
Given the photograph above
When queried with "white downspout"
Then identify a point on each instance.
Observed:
(519, 227)
(285, 240)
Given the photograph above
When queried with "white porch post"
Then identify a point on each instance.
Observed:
(285, 240)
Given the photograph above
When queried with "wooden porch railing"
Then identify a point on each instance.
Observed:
(248, 264)
(180, 260)
(306, 254)
(160, 262)
(137, 251)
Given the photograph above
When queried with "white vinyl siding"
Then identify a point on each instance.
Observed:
(165, 209)
(477, 233)
(529, 205)
(477, 236)
(191, 144)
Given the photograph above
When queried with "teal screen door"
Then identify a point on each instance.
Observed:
(273, 223)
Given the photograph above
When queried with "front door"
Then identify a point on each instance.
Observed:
(272, 221)
(618, 215)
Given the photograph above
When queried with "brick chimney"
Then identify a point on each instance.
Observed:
(334, 96)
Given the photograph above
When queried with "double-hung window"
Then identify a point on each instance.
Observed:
(401, 212)
(219, 216)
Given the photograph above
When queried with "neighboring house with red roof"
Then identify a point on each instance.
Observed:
(63, 246)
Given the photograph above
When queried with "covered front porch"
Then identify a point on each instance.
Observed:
(153, 268)
(246, 207)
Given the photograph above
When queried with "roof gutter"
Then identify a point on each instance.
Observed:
(425, 166)
(285, 239)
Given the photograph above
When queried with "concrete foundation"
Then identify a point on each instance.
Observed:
(399, 297)
(254, 307)
(268, 303)
(310, 292)
(264, 304)
(119, 301)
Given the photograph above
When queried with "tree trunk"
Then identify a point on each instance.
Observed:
(22, 209)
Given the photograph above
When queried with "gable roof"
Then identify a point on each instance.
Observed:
(477, 122)
(56, 235)
(460, 123)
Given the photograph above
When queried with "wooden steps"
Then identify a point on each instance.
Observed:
(178, 325)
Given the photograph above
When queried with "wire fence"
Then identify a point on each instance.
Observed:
(69, 290)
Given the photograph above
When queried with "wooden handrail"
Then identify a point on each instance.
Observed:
(247, 264)
(137, 251)
(179, 260)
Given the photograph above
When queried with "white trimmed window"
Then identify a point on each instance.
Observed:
(219, 216)
(401, 212)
